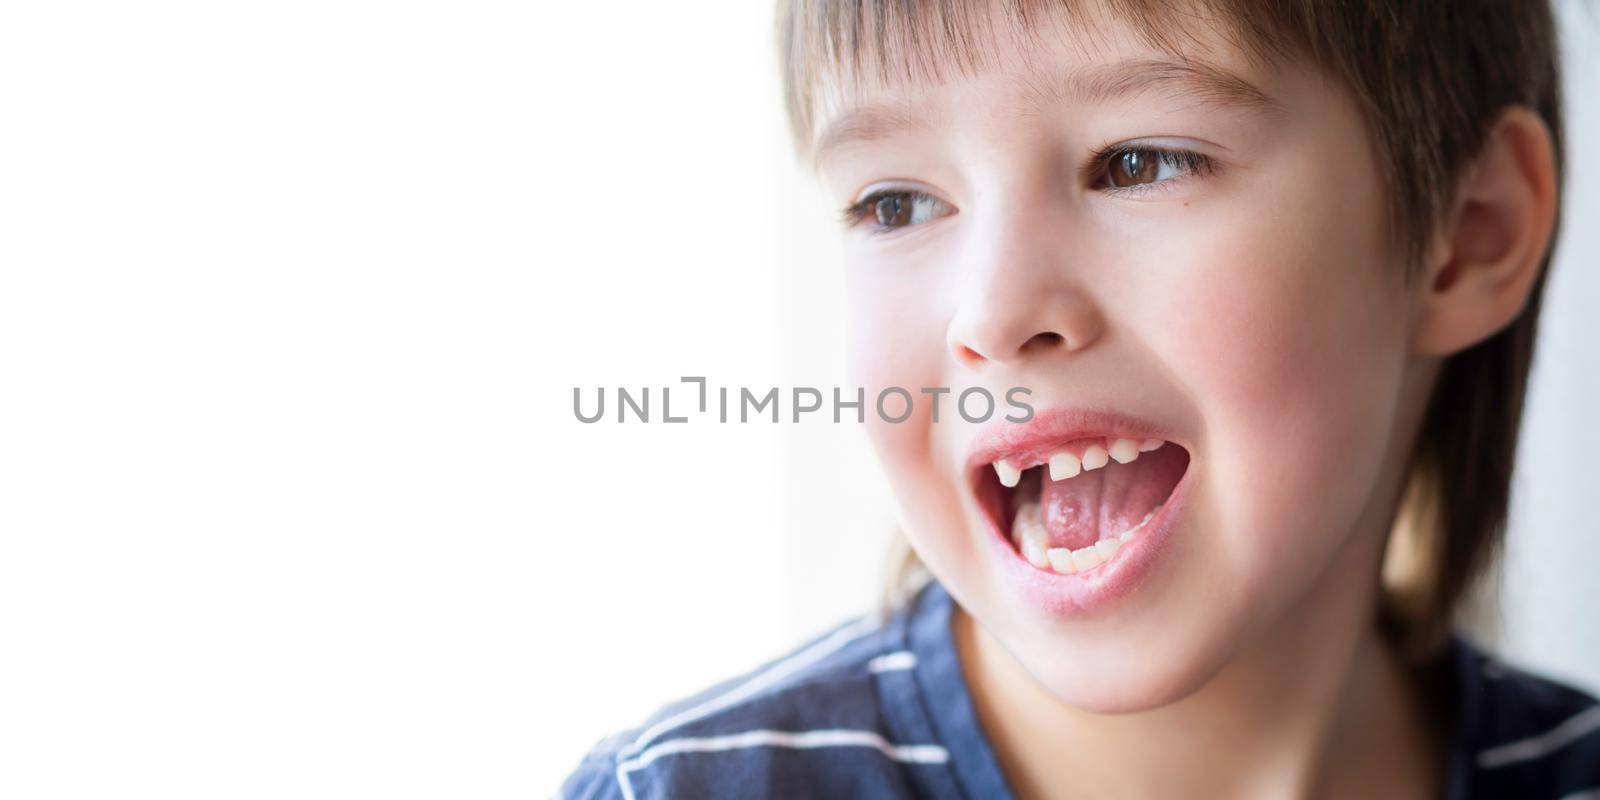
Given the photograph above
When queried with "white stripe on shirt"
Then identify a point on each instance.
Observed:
(777, 672)
(890, 662)
(798, 740)
(1544, 744)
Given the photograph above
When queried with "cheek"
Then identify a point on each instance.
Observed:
(894, 338)
(897, 338)
(896, 329)
(1292, 344)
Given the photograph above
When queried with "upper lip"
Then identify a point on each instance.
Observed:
(1026, 444)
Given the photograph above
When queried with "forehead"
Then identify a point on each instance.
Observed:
(868, 78)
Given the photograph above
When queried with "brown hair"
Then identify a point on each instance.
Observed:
(1430, 75)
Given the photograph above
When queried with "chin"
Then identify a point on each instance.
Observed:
(1119, 677)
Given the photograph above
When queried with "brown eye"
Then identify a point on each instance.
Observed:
(892, 210)
(889, 210)
(1133, 167)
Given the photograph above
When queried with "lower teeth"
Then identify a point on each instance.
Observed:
(1027, 531)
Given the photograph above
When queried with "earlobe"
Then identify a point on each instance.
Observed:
(1490, 248)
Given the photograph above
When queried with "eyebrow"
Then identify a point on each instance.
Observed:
(1211, 84)
(872, 123)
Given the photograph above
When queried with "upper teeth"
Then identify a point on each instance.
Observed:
(1065, 464)
(1124, 450)
(1009, 475)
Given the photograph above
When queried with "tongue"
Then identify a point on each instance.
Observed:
(1105, 502)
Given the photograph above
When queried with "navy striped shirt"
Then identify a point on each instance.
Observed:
(879, 708)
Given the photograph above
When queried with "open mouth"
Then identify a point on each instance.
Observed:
(1073, 506)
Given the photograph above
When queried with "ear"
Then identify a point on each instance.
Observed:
(1484, 257)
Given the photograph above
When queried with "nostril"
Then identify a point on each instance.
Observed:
(1047, 340)
(968, 356)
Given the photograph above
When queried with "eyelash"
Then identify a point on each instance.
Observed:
(1099, 164)
(1191, 162)
(858, 212)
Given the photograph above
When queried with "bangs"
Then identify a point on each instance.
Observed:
(834, 49)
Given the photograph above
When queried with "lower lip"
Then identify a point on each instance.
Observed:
(1081, 593)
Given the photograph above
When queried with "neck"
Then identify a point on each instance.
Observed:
(1317, 706)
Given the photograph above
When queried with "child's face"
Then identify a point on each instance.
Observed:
(1236, 297)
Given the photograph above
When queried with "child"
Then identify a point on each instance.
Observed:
(1270, 271)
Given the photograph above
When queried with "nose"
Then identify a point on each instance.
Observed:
(1021, 300)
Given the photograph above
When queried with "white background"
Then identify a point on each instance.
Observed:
(293, 297)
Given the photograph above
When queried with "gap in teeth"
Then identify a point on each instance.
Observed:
(1069, 461)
